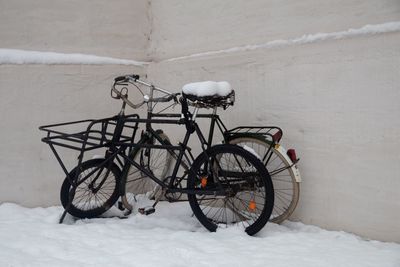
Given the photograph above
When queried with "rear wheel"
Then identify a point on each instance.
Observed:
(286, 188)
(249, 195)
(156, 160)
(96, 192)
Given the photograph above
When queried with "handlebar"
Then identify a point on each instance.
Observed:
(134, 79)
(165, 98)
(126, 77)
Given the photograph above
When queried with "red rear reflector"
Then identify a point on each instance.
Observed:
(292, 154)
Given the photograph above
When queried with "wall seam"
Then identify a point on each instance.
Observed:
(150, 18)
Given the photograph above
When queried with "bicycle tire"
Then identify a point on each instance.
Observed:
(286, 187)
(88, 204)
(158, 161)
(251, 198)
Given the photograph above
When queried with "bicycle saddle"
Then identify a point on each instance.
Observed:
(209, 94)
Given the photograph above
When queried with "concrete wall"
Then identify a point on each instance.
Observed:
(337, 100)
(187, 27)
(35, 95)
(105, 28)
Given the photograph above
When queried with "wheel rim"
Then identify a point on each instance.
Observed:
(87, 199)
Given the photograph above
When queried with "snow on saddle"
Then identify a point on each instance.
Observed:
(209, 94)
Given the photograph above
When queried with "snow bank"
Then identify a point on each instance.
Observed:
(208, 88)
(172, 237)
(15, 56)
(305, 39)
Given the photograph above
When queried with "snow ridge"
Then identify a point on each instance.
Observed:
(305, 39)
(16, 56)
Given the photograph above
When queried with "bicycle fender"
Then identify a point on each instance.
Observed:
(294, 167)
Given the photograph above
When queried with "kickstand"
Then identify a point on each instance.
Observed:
(67, 207)
(62, 217)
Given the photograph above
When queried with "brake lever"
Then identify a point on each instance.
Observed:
(116, 92)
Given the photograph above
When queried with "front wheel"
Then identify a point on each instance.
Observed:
(96, 190)
(249, 193)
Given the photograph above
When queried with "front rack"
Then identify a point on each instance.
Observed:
(97, 133)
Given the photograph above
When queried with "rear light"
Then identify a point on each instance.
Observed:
(292, 155)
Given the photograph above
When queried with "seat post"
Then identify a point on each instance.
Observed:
(196, 110)
(212, 125)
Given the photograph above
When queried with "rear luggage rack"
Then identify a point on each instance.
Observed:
(270, 133)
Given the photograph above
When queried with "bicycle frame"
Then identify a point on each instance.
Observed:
(183, 148)
(272, 133)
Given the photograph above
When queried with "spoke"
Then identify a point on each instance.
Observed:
(281, 210)
(276, 171)
(283, 199)
(235, 211)
(280, 180)
(133, 167)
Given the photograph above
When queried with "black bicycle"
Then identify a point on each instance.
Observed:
(261, 140)
(226, 184)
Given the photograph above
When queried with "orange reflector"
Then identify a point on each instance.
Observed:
(203, 182)
(252, 205)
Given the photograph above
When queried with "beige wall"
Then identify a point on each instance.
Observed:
(35, 95)
(187, 27)
(337, 103)
(105, 28)
(336, 100)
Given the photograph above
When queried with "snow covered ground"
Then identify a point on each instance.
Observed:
(172, 237)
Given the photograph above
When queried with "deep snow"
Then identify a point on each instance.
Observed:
(172, 237)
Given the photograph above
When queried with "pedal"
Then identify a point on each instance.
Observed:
(146, 210)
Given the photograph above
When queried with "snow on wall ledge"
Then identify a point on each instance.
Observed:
(305, 39)
(16, 56)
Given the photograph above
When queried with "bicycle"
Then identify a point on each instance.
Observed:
(226, 184)
(280, 163)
